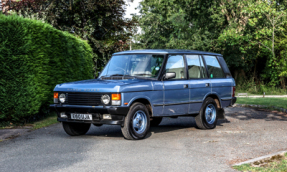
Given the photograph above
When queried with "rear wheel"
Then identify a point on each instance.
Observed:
(155, 121)
(76, 129)
(207, 117)
(137, 122)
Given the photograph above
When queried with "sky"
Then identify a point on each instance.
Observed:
(130, 8)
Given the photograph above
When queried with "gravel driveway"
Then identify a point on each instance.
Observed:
(176, 145)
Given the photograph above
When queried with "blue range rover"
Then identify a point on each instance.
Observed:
(138, 88)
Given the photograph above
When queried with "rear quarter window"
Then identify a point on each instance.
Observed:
(224, 66)
(213, 67)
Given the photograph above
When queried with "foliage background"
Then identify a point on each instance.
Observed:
(34, 58)
(250, 34)
(101, 22)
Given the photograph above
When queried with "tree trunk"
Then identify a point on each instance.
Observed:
(282, 81)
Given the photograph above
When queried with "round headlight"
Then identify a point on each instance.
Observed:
(62, 98)
(106, 99)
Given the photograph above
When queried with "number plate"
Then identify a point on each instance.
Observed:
(81, 116)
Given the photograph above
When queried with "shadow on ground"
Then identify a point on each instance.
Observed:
(257, 113)
(167, 125)
(173, 124)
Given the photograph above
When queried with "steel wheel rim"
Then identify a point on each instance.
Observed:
(139, 122)
(210, 113)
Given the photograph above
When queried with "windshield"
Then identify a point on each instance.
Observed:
(143, 65)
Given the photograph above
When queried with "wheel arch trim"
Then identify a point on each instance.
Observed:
(214, 96)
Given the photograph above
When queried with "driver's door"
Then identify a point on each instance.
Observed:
(176, 92)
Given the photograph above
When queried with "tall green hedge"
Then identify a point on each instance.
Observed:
(34, 57)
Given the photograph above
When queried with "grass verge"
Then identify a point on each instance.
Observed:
(45, 122)
(277, 102)
(276, 163)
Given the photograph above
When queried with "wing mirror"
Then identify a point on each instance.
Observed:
(169, 75)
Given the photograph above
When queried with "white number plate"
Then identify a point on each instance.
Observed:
(81, 116)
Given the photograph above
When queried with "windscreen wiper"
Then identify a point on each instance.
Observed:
(114, 76)
(142, 74)
(117, 75)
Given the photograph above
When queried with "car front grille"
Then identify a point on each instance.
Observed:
(88, 99)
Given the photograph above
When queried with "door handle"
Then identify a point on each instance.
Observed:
(185, 86)
(207, 85)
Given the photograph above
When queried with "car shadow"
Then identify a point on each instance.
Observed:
(167, 125)
(171, 124)
(256, 113)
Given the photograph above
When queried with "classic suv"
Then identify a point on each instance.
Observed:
(138, 88)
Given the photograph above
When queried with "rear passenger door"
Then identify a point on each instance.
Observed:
(199, 83)
(176, 92)
(220, 84)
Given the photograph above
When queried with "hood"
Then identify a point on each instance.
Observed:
(96, 85)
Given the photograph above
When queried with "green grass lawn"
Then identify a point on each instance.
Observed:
(45, 122)
(277, 102)
(273, 165)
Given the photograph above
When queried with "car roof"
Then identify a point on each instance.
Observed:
(165, 51)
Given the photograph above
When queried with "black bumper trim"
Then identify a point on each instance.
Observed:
(122, 111)
(119, 110)
(233, 101)
(104, 121)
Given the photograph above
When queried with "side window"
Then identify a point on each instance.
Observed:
(214, 68)
(175, 64)
(195, 67)
(203, 69)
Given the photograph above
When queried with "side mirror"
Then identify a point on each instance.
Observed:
(169, 75)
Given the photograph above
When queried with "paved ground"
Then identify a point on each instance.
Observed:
(176, 145)
(12, 133)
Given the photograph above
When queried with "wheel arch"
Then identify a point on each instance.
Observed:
(215, 98)
(143, 100)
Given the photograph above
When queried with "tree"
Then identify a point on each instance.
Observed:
(264, 20)
(167, 24)
(101, 22)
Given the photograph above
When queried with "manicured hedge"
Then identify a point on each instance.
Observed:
(34, 57)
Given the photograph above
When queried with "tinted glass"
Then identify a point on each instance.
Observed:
(224, 65)
(195, 67)
(143, 65)
(214, 68)
(175, 64)
(203, 69)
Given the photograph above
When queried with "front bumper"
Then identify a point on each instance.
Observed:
(117, 113)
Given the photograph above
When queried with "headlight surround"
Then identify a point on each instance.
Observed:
(62, 98)
(105, 99)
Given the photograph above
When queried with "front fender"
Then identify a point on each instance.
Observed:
(139, 97)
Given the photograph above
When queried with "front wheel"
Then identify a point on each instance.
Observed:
(207, 117)
(137, 122)
(76, 129)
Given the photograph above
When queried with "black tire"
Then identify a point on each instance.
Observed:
(98, 125)
(76, 129)
(201, 120)
(129, 130)
(155, 121)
